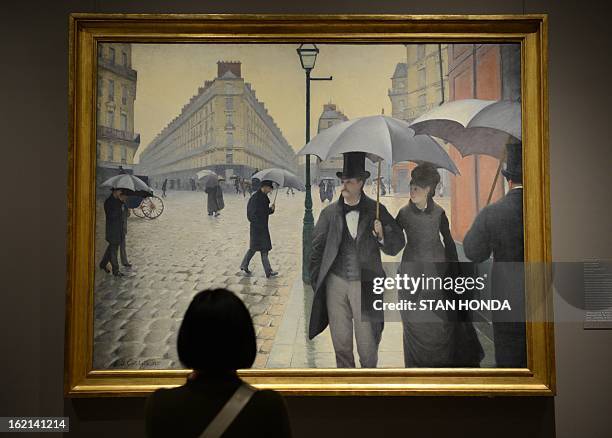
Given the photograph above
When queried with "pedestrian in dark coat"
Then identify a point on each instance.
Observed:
(498, 231)
(125, 213)
(431, 339)
(164, 185)
(214, 199)
(258, 212)
(114, 232)
(345, 259)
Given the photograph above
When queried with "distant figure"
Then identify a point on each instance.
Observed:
(326, 190)
(121, 170)
(237, 185)
(164, 185)
(193, 184)
(114, 234)
(215, 339)
(258, 212)
(215, 198)
(498, 230)
(290, 189)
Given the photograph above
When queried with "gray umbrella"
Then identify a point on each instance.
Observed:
(381, 138)
(282, 177)
(473, 126)
(208, 178)
(128, 182)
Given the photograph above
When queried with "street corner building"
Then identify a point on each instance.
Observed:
(223, 128)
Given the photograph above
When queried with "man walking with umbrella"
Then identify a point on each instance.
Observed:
(345, 259)
(258, 212)
(498, 230)
(113, 212)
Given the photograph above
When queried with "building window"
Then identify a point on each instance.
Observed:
(98, 150)
(330, 124)
(124, 126)
(229, 103)
(420, 51)
(124, 95)
(230, 139)
(229, 156)
(402, 105)
(421, 78)
(100, 84)
(230, 120)
(111, 90)
(111, 154)
(124, 58)
(123, 155)
(110, 119)
(422, 100)
(112, 55)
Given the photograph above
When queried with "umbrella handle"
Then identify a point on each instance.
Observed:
(378, 194)
(501, 160)
(275, 195)
(494, 183)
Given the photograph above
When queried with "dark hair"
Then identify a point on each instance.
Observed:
(426, 175)
(217, 333)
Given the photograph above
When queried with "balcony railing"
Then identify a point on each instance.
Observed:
(117, 134)
(117, 68)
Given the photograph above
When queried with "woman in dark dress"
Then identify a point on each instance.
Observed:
(431, 338)
(215, 339)
(214, 198)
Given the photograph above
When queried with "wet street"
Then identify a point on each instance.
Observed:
(184, 251)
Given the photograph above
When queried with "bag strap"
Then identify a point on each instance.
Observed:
(229, 412)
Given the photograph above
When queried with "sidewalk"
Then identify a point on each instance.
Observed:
(292, 349)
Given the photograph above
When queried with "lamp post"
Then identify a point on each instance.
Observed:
(308, 57)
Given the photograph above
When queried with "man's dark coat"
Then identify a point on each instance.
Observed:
(258, 211)
(113, 210)
(326, 240)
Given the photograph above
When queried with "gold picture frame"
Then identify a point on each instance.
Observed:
(86, 30)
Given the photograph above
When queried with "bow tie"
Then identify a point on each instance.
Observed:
(349, 208)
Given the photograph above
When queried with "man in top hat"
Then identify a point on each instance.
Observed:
(258, 212)
(498, 230)
(345, 259)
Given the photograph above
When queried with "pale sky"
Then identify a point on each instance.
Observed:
(170, 74)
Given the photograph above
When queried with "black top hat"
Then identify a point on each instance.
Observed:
(514, 162)
(354, 166)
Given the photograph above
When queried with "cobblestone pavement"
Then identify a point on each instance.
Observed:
(136, 317)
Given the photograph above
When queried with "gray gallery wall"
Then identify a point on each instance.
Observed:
(33, 116)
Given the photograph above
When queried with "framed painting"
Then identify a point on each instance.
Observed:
(404, 159)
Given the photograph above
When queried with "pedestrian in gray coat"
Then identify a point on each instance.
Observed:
(498, 231)
(345, 259)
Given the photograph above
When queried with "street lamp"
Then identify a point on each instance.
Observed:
(308, 57)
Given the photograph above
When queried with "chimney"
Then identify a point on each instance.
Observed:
(225, 66)
(329, 107)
